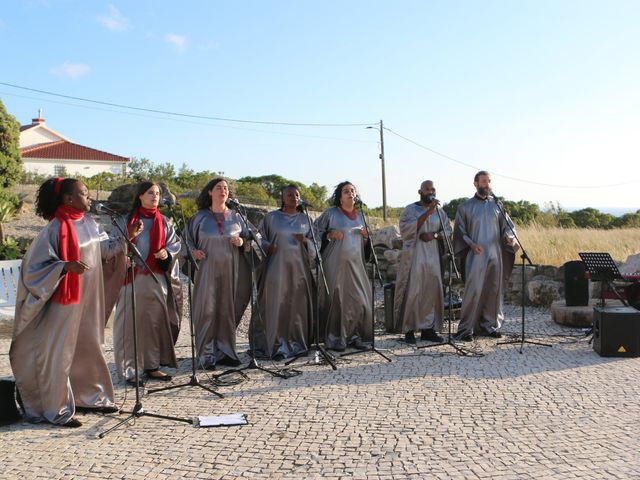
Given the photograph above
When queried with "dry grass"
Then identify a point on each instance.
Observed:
(555, 246)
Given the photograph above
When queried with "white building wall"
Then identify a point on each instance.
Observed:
(73, 167)
(37, 136)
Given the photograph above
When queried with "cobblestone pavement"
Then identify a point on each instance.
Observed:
(550, 412)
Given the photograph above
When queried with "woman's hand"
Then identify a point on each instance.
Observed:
(300, 238)
(135, 229)
(335, 235)
(198, 254)
(78, 267)
(363, 233)
(237, 241)
(161, 254)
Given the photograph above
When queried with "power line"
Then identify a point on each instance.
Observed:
(516, 179)
(186, 115)
(181, 120)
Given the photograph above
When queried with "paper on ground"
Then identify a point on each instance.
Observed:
(222, 420)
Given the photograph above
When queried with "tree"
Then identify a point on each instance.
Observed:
(10, 160)
(451, 207)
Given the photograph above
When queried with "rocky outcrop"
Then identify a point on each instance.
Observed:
(543, 291)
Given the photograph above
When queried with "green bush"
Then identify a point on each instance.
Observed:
(7, 197)
(10, 250)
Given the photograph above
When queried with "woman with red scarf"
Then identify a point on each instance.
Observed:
(159, 306)
(56, 352)
(347, 311)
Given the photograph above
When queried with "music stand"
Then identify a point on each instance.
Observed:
(602, 268)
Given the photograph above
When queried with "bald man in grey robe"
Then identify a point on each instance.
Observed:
(419, 299)
(485, 245)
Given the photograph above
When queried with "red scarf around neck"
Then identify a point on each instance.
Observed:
(157, 235)
(68, 291)
(350, 215)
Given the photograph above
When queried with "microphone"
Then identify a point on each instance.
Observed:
(432, 198)
(167, 200)
(232, 203)
(357, 200)
(303, 204)
(101, 208)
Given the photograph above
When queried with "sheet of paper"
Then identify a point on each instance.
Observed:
(223, 420)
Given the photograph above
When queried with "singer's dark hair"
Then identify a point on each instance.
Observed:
(337, 193)
(284, 189)
(479, 174)
(204, 199)
(48, 201)
(141, 188)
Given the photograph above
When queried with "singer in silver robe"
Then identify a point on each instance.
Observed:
(158, 308)
(215, 285)
(282, 325)
(347, 312)
(479, 221)
(419, 299)
(56, 353)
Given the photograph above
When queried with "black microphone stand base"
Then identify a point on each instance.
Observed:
(193, 382)
(459, 350)
(366, 350)
(254, 365)
(139, 411)
(522, 341)
(319, 351)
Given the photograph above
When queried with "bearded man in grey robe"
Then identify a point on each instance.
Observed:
(419, 299)
(485, 245)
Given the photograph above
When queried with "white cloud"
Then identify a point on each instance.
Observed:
(71, 70)
(178, 41)
(115, 21)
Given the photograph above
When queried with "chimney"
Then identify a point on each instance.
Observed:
(39, 120)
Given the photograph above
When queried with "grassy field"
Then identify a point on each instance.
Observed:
(555, 246)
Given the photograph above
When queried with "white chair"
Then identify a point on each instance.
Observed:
(9, 278)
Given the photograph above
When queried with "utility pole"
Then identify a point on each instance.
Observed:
(384, 177)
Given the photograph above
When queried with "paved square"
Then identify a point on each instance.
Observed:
(559, 412)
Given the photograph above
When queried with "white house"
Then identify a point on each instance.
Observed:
(45, 151)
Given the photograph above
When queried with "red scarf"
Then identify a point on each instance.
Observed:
(157, 236)
(68, 291)
(350, 215)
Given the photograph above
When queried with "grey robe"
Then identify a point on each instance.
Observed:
(215, 285)
(480, 221)
(283, 323)
(56, 352)
(158, 309)
(419, 300)
(347, 312)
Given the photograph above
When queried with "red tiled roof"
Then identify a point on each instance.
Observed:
(63, 150)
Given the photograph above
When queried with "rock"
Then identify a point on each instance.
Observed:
(392, 255)
(571, 316)
(543, 291)
(397, 243)
(385, 236)
(550, 271)
(631, 265)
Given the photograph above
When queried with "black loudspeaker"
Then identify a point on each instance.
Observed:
(389, 294)
(9, 412)
(616, 331)
(576, 284)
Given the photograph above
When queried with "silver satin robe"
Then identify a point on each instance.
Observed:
(158, 309)
(215, 284)
(419, 300)
(480, 221)
(56, 352)
(347, 312)
(283, 323)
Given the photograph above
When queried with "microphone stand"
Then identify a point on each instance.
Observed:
(452, 268)
(253, 363)
(525, 258)
(319, 349)
(375, 273)
(138, 410)
(191, 262)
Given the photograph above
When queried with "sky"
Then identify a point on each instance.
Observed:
(544, 94)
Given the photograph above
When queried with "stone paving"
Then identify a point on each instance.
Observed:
(550, 412)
